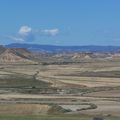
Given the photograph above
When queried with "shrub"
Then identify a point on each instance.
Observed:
(98, 118)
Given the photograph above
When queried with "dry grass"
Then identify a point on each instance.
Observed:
(105, 108)
(60, 76)
(23, 109)
(110, 93)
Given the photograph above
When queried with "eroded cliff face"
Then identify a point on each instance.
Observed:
(15, 55)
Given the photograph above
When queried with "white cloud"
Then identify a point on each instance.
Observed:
(25, 30)
(51, 32)
(16, 38)
(27, 34)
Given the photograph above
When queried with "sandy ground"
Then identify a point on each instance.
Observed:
(74, 107)
(105, 107)
(107, 101)
(23, 109)
(110, 93)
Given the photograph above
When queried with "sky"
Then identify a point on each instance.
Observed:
(60, 22)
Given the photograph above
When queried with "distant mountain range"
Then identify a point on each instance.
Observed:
(53, 48)
(21, 53)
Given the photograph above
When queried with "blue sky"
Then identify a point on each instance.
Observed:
(60, 22)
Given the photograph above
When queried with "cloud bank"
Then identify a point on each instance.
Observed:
(27, 34)
(52, 32)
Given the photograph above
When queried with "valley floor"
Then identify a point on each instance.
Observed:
(91, 88)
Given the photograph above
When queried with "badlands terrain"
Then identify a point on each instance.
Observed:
(59, 86)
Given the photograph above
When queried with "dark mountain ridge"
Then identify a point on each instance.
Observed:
(53, 48)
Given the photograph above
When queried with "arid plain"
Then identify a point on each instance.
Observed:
(90, 86)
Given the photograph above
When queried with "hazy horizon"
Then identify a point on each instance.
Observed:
(62, 45)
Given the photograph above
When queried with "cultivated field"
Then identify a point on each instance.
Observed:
(56, 92)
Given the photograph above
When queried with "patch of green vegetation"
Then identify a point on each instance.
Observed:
(25, 84)
(47, 117)
(105, 74)
(6, 117)
(112, 118)
(16, 80)
(56, 109)
(56, 117)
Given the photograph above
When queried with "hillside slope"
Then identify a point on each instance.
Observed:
(15, 55)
